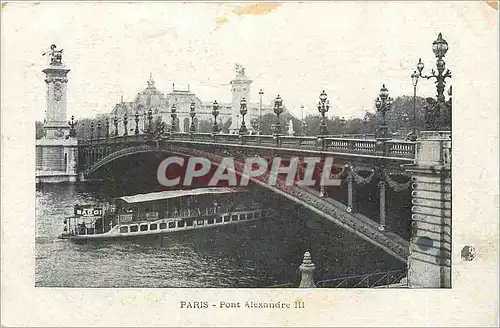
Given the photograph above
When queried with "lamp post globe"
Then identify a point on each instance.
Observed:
(440, 46)
(420, 66)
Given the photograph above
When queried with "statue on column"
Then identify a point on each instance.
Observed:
(55, 55)
(240, 71)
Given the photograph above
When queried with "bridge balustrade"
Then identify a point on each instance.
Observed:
(388, 148)
(403, 148)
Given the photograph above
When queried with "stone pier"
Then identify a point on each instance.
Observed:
(57, 151)
(429, 263)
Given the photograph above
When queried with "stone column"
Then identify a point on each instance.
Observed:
(429, 263)
(56, 152)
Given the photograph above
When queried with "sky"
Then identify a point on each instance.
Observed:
(294, 49)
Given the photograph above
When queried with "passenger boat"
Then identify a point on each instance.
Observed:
(160, 213)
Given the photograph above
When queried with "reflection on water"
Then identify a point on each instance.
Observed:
(254, 254)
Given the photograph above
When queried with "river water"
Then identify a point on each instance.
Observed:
(259, 254)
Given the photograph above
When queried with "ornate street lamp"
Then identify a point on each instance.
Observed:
(92, 130)
(150, 122)
(243, 111)
(72, 131)
(215, 113)
(136, 122)
(125, 121)
(115, 121)
(304, 124)
(278, 110)
(323, 107)
(107, 127)
(260, 111)
(383, 105)
(99, 129)
(438, 115)
(174, 116)
(192, 128)
(414, 81)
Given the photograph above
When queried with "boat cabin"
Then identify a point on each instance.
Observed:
(182, 204)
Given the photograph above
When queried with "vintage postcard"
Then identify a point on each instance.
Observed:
(327, 163)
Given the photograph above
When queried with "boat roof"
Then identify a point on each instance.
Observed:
(178, 193)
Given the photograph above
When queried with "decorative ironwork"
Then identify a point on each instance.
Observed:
(115, 121)
(278, 110)
(215, 113)
(397, 186)
(173, 115)
(437, 111)
(383, 105)
(92, 130)
(72, 131)
(323, 108)
(125, 121)
(370, 280)
(136, 122)
(192, 113)
(150, 122)
(243, 111)
(99, 127)
(391, 243)
(107, 127)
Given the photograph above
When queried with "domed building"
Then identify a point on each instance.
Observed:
(161, 107)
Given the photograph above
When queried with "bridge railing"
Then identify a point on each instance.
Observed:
(389, 148)
(369, 280)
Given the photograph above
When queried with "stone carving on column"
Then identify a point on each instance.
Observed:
(58, 90)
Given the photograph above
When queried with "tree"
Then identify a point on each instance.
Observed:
(205, 126)
(400, 117)
(225, 127)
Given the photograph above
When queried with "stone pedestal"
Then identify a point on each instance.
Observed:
(429, 263)
(307, 272)
(56, 160)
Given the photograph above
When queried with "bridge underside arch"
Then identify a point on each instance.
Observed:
(327, 208)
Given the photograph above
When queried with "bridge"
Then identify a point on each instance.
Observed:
(420, 168)
(377, 160)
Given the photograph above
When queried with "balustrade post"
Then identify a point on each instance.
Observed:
(307, 272)
(382, 186)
